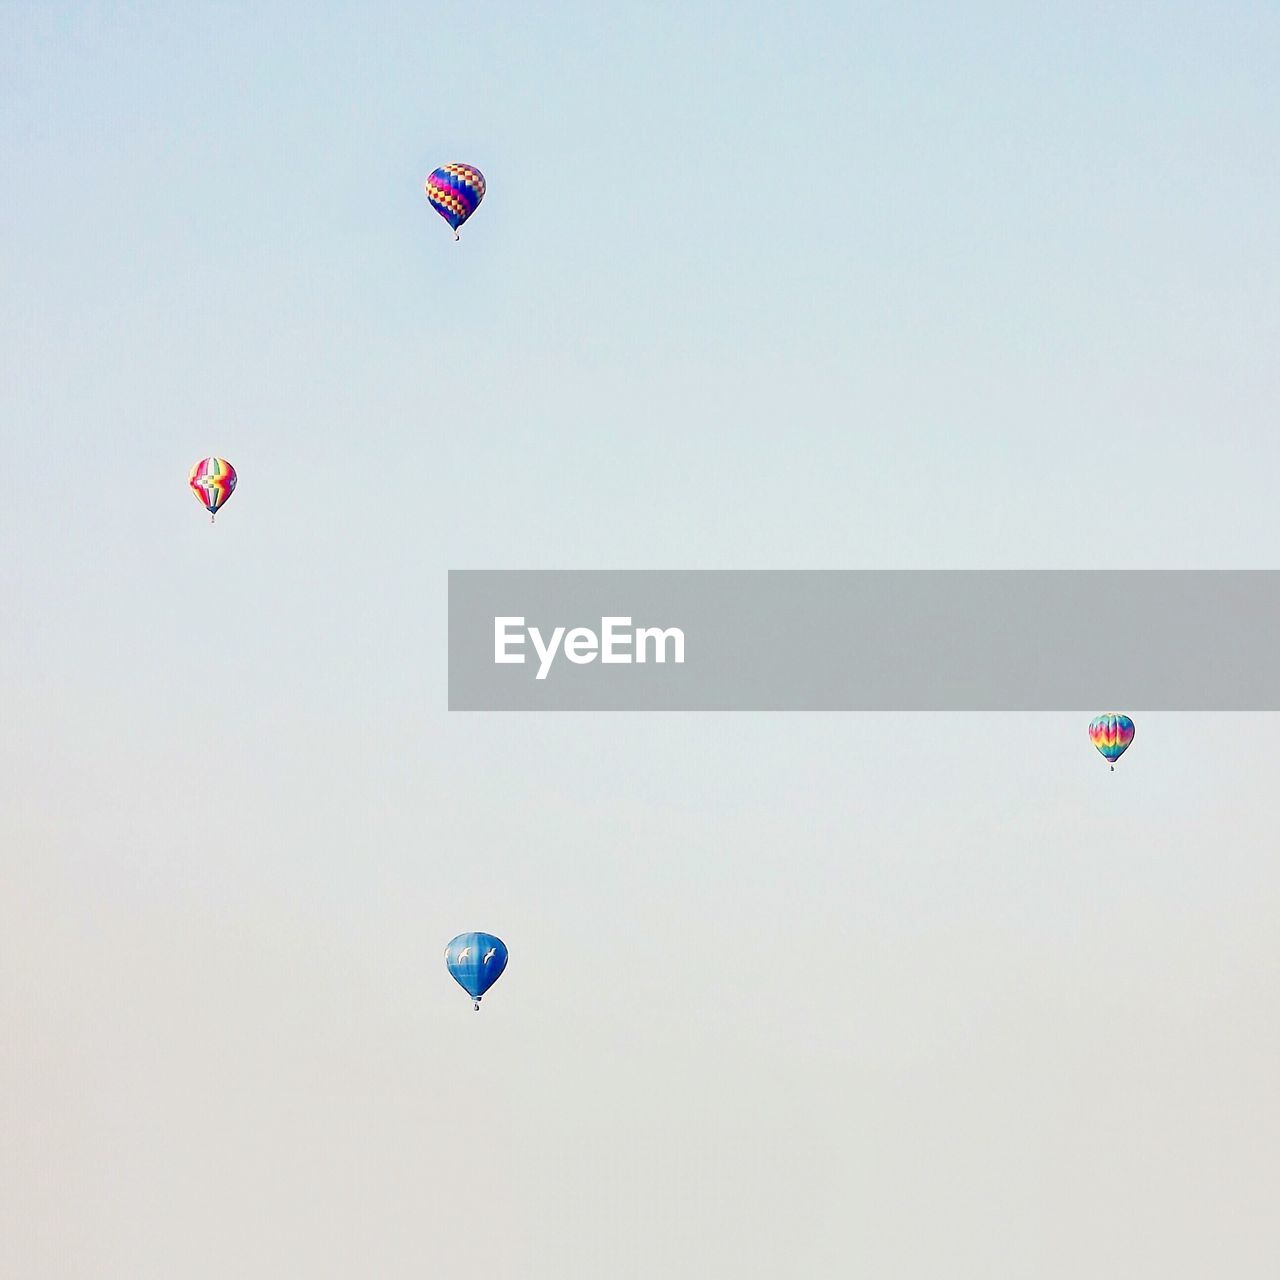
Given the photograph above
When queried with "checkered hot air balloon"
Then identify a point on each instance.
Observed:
(455, 192)
(1111, 734)
(213, 481)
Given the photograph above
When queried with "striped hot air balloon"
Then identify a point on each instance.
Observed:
(1111, 734)
(213, 481)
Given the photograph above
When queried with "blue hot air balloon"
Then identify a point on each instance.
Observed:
(476, 961)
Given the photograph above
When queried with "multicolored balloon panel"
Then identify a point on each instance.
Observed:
(455, 192)
(476, 961)
(1111, 734)
(213, 481)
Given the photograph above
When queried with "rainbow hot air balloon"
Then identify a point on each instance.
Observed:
(1111, 734)
(455, 192)
(213, 481)
(476, 961)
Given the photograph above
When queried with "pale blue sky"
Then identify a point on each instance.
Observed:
(840, 286)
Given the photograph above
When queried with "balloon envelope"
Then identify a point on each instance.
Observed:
(455, 192)
(1111, 734)
(476, 961)
(213, 481)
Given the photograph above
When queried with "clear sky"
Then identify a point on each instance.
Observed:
(829, 286)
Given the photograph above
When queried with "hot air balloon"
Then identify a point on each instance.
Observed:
(476, 961)
(1111, 734)
(455, 192)
(213, 481)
